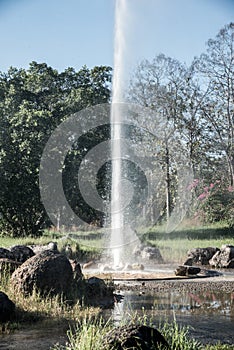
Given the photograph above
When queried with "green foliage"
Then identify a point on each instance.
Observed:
(88, 335)
(196, 102)
(178, 337)
(216, 203)
(33, 103)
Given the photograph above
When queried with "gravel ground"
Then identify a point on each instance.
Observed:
(221, 283)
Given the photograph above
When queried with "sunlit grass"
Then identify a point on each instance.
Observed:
(81, 247)
(88, 335)
(35, 308)
(175, 250)
(175, 245)
(89, 245)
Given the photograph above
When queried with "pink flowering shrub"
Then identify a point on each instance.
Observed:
(216, 202)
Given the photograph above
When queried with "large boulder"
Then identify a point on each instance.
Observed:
(47, 272)
(98, 293)
(6, 254)
(7, 308)
(136, 337)
(224, 258)
(21, 253)
(200, 256)
(148, 253)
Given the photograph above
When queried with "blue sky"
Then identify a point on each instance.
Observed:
(72, 33)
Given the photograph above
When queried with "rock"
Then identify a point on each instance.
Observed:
(152, 253)
(138, 267)
(21, 253)
(210, 273)
(52, 246)
(41, 248)
(127, 267)
(189, 262)
(137, 337)
(105, 267)
(5, 253)
(148, 253)
(47, 272)
(76, 269)
(8, 265)
(78, 283)
(90, 265)
(200, 256)
(224, 258)
(135, 266)
(97, 293)
(7, 308)
(184, 270)
(96, 287)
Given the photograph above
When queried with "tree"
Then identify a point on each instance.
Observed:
(33, 103)
(167, 87)
(215, 68)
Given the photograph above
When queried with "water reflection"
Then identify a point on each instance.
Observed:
(210, 314)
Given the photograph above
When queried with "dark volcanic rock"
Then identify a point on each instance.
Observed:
(134, 337)
(98, 293)
(183, 270)
(21, 253)
(76, 269)
(47, 272)
(200, 256)
(7, 308)
(224, 258)
(5, 253)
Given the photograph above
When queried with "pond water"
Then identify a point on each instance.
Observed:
(210, 315)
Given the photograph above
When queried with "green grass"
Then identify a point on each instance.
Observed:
(89, 334)
(35, 308)
(88, 245)
(83, 247)
(86, 335)
(175, 245)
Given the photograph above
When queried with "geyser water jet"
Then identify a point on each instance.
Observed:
(117, 216)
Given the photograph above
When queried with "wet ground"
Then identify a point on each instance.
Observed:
(39, 337)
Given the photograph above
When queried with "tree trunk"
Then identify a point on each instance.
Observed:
(168, 180)
(230, 161)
